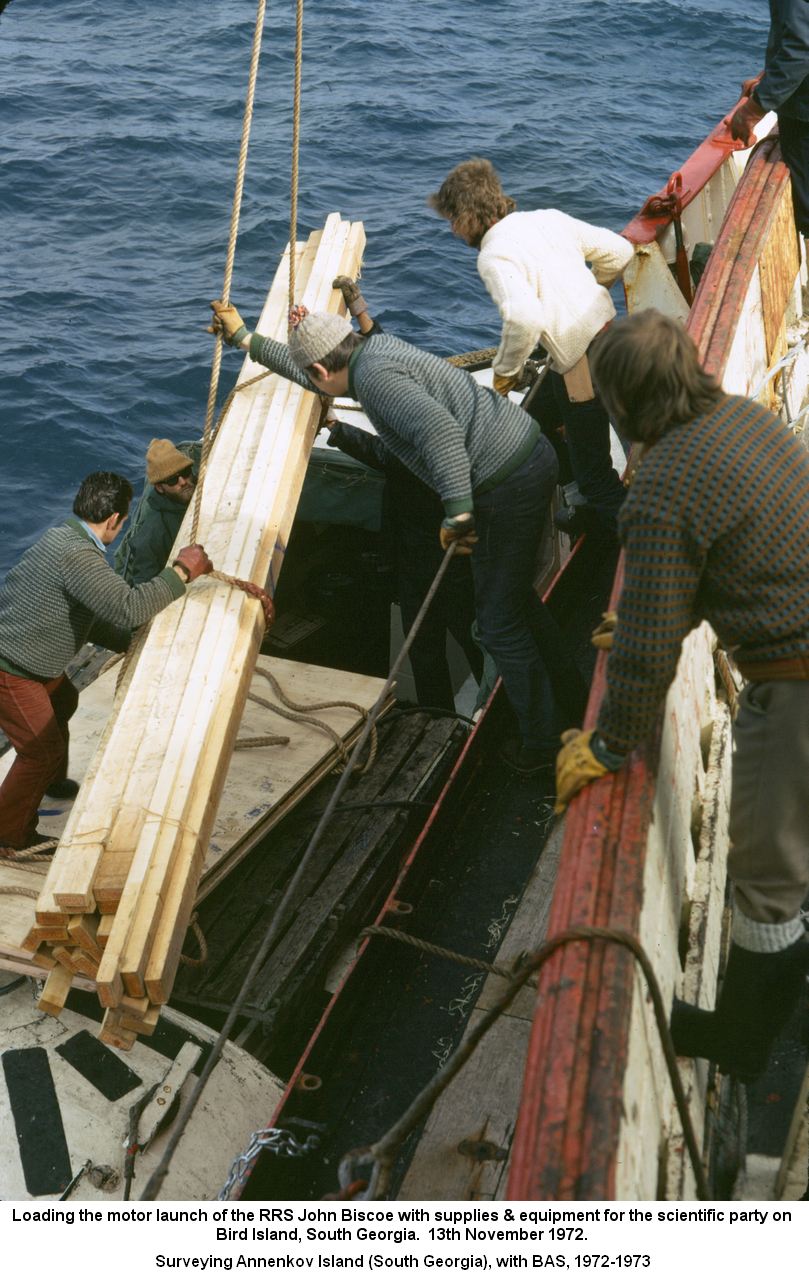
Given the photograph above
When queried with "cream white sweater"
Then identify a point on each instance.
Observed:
(535, 267)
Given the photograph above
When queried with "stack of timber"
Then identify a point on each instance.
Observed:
(262, 787)
(147, 806)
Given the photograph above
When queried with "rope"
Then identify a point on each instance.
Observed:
(196, 928)
(25, 855)
(160, 1172)
(231, 253)
(474, 356)
(384, 1150)
(298, 712)
(261, 740)
(296, 131)
(14, 890)
(429, 948)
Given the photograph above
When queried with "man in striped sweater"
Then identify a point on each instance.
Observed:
(60, 594)
(716, 527)
(494, 473)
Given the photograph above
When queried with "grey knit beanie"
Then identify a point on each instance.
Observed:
(315, 336)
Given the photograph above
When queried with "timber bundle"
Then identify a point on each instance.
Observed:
(119, 895)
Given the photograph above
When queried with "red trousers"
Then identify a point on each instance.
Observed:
(34, 715)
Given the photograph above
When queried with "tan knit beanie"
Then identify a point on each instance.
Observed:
(164, 460)
(315, 336)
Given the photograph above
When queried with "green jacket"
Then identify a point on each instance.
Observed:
(153, 528)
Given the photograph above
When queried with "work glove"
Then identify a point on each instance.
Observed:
(751, 83)
(352, 295)
(602, 635)
(744, 119)
(194, 561)
(260, 594)
(504, 384)
(458, 530)
(228, 321)
(575, 766)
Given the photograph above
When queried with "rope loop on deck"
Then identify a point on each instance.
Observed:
(382, 1154)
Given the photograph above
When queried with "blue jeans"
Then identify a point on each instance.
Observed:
(587, 433)
(543, 684)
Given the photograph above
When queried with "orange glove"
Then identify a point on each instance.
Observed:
(504, 384)
(602, 635)
(194, 561)
(228, 322)
(576, 766)
(458, 530)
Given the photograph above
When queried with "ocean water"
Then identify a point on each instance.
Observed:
(119, 134)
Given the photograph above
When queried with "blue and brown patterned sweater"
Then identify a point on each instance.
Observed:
(715, 526)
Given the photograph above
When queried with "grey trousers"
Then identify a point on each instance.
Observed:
(768, 861)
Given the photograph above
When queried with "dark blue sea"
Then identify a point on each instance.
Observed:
(119, 133)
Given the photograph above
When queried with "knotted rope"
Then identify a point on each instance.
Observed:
(230, 257)
(296, 132)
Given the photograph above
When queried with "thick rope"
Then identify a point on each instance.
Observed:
(296, 133)
(384, 1150)
(281, 912)
(196, 928)
(429, 948)
(300, 712)
(260, 740)
(231, 254)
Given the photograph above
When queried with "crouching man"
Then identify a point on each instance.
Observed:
(494, 474)
(60, 594)
(700, 543)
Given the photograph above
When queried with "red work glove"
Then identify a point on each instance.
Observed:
(267, 603)
(751, 83)
(744, 119)
(194, 560)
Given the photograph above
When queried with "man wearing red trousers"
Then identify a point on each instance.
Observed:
(61, 593)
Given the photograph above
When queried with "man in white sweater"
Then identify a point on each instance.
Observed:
(548, 275)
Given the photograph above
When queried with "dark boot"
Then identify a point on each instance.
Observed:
(758, 994)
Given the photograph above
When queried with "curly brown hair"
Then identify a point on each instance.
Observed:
(472, 198)
(648, 375)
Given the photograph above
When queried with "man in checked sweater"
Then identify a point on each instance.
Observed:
(60, 594)
(494, 473)
(702, 541)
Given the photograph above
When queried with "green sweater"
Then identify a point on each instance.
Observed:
(60, 589)
(457, 436)
(715, 526)
(153, 527)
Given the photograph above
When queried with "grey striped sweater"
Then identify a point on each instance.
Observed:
(59, 589)
(455, 435)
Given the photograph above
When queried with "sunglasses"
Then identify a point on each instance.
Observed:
(172, 481)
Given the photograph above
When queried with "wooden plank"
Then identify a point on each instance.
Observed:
(82, 930)
(104, 929)
(55, 991)
(114, 1033)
